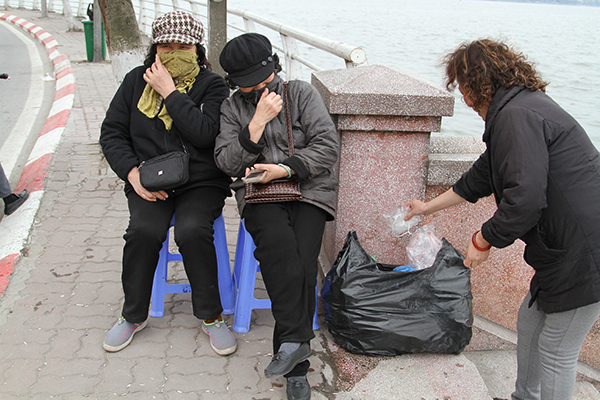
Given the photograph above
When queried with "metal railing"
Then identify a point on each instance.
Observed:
(78, 7)
(291, 42)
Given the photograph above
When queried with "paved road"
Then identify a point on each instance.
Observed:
(25, 98)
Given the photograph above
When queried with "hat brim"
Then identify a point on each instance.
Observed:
(175, 38)
(253, 78)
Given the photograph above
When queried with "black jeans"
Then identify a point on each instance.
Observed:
(195, 212)
(288, 240)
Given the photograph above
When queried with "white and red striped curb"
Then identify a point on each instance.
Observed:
(15, 228)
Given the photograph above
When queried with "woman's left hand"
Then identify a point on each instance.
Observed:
(159, 78)
(274, 171)
(475, 257)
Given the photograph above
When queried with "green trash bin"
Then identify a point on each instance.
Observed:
(88, 28)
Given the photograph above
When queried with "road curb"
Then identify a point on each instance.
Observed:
(15, 228)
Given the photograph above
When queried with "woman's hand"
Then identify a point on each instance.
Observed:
(273, 171)
(268, 107)
(134, 178)
(475, 257)
(477, 254)
(159, 78)
(447, 199)
(417, 207)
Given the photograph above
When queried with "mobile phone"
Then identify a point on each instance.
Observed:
(256, 175)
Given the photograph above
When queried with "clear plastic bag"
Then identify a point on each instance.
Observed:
(423, 247)
(399, 226)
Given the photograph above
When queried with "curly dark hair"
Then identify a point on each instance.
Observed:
(483, 66)
(277, 69)
(200, 50)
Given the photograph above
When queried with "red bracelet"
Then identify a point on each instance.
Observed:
(475, 243)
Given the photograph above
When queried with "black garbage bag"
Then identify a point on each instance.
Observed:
(372, 310)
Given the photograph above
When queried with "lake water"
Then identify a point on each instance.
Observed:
(412, 35)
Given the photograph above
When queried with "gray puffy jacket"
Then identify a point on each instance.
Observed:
(315, 141)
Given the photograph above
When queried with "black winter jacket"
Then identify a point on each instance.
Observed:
(129, 137)
(544, 173)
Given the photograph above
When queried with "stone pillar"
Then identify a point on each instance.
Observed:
(217, 32)
(384, 118)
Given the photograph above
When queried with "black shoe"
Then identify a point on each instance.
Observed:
(298, 388)
(282, 363)
(11, 207)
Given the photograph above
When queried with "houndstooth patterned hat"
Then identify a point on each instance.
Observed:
(177, 27)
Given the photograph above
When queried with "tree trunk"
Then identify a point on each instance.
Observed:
(68, 13)
(122, 35)
(44, 7)
(97, 33)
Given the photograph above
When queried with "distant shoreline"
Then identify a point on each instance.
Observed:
(589, 3)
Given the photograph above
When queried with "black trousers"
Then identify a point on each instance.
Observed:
(288, 240)
(195, 212)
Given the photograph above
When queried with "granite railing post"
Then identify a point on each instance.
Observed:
(384, 118)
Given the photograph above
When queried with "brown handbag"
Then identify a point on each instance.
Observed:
(278, 190)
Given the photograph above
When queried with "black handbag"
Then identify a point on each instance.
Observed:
(165, 172)
(278, 190)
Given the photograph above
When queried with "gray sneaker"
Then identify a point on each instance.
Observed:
(222, 340)
(121, 334)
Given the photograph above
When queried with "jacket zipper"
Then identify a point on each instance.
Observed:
(271, 142)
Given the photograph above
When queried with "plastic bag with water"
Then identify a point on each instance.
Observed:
(397, 223)
(423, 247)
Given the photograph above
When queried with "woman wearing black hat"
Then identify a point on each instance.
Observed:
(288, 235)
(171, 103)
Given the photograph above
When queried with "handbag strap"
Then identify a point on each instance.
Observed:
(288, 120)
(180, 140)
(182, 145)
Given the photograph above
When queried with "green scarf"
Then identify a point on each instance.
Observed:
(183, 67)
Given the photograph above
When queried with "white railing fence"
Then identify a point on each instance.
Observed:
(78, 7)
(295, 45)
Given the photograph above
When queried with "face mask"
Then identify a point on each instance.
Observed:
(180, 63)
(254, 96)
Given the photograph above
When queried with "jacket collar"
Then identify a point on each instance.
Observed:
(275, 85)
(501, 98)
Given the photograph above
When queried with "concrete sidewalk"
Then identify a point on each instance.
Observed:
(65, 292)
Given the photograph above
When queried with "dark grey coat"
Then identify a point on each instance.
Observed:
(545, 175)
(315, 141)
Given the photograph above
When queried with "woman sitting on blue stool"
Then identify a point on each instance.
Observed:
(287, 235)
(170, 102)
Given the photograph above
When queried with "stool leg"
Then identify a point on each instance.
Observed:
(239, 257)
(224, 267)
(157, 305)
(316, 316)
(245, 284)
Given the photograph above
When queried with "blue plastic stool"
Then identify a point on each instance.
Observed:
(245, 267)
(160, 287)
